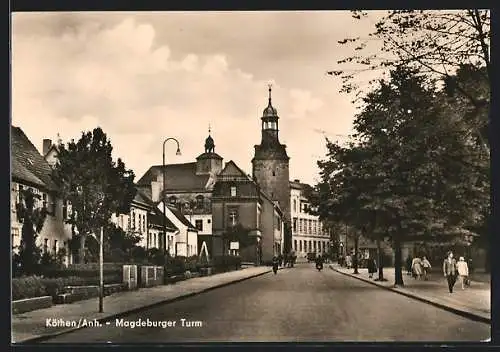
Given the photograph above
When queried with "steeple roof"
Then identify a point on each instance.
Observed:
(270, 111)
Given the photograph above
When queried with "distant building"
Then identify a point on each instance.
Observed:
(30, 170)
(308, 233)
(191, 187)
(246, 222)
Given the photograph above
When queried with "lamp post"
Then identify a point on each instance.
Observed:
(164, 198)
(100, 199)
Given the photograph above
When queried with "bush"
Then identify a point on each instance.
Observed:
(36, 286)
(226, 262)
(27, 287)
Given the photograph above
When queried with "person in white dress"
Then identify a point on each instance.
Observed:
(463, 271)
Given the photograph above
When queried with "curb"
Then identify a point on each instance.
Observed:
(469, 315)
(43, 338)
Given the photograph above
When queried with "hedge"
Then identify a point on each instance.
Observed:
(36, 286)
(226, 262)
(58, 273)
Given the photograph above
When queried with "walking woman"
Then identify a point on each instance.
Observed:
(427, 268)
(372, 267)
(416, 267)
(450, 271)
(463, 271)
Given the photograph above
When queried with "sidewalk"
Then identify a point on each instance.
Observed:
(473, 302)
(32, 325)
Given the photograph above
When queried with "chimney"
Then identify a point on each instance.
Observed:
(47, 143)
(155, 191)
(296, 180)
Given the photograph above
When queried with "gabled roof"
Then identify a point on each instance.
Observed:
(178, 177)
(178, 214)
(52, 147)
(155, 217)
(27, 163)
(231, 169)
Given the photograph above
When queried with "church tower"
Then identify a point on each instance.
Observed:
(209, 163)
(270, 167)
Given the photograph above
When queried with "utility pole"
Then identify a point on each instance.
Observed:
(101, 271)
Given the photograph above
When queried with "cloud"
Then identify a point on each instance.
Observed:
(140, 91)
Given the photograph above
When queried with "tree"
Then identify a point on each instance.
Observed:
(94, 184)
(117, 238)
(410, 168)
(33, 219)
(437, 44)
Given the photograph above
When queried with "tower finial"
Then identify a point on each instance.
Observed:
(270, 87)
(209, 129)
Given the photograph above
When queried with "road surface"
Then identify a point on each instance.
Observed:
(296, 305)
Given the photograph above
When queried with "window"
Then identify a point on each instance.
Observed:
(300, 246)
(140, 222)
(172, 200)
(295, 205)
(129, 223)
(199, 201)
(233, 217)
(199, 225)
(300, 225)
(310, 226)
(55, 246)
(295, 244)
(294, 224)
(274, 173)
(233, 191)
(45, 245)
(44, 200)
(209, 221)
(133, 220)
(310, 246)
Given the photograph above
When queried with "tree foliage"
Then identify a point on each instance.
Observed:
(94, 184)
(33, 219)
(410, 172)
(442, 46)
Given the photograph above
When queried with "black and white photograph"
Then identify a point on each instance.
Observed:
(250, 176)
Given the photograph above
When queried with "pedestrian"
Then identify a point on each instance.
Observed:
(348, 261)
(416, 267)
(463, 271)
(372, 267)
(408, 265)
(450, 271)
(427, 268)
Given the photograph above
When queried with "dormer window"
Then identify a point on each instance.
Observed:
(199, 201)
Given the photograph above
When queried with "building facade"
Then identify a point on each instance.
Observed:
(246, 222)
(188, 186)
(270, 167)
(308, 234)
(31, 171)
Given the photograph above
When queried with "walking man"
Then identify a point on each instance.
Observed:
(450, 270)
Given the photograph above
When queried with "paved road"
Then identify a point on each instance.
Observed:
(298, 304)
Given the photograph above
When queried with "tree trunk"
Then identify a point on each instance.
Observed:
(81, 251)
(398, 275)
(380, 256)
(356, 250)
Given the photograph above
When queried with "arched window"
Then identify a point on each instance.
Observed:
(199, 201)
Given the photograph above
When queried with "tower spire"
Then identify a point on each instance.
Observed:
(209, 129)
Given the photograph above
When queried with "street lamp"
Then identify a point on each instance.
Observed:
(178, 152)
(100, 199)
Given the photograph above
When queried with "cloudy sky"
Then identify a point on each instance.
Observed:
(143, 77)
